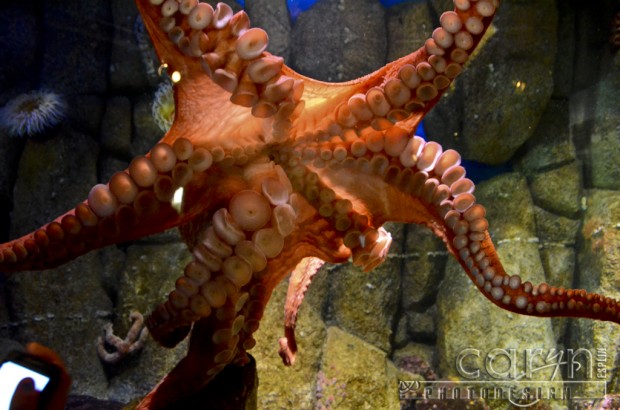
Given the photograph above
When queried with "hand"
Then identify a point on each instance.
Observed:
(27, 398)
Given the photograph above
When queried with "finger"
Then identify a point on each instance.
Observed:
(44, 353)
(25, 397)
(58, 399)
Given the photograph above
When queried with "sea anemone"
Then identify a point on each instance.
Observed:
(163, 106)
(31, 113)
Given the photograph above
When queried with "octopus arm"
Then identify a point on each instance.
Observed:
(421, 183)
(222, 334)
(298, 285)
(148, 197)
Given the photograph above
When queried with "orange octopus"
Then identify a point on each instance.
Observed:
(267, 172)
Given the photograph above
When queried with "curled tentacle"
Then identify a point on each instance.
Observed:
(298, 284)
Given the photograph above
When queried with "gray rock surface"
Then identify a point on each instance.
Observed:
(86, 113)
(598, 263)
(364, 304)
(353, 46)
(424, 260)
(551, 145)
(19, 36)
(408, 27)
(76, 49)
(116, 126)
(10, 154)
(354, 375)
(126, 71)
(146, 133)
(558, 190)
(606, 131)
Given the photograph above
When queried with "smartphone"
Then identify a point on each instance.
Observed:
(18, 366)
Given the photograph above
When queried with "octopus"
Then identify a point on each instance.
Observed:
(267, 173)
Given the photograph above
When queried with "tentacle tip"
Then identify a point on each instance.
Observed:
(287, 352)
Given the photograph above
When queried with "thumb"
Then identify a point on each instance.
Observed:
(25, 397)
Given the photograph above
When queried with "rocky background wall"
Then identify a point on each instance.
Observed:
(540, 102)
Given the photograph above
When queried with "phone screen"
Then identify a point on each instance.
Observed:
(11, 374)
